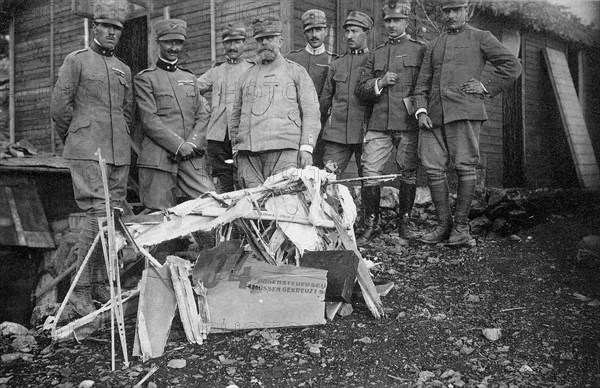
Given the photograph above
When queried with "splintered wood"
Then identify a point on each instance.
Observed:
(295, 211)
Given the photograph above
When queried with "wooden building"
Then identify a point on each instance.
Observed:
(524, 142)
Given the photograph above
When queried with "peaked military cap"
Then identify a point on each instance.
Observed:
(111, 12)
(233, 32)
(313, 18)
(168, 29)
(262, 27)
(395, 10)
(446, 4)
(357, 18)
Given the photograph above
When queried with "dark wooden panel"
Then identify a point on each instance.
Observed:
(22, 212)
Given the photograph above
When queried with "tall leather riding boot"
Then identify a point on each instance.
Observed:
(406, 197)
(370, 196)
(460, 232)
(81, 298)
(441, 201)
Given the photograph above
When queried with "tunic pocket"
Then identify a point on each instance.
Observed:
(340, 77)
(164, 103)
(79, 123)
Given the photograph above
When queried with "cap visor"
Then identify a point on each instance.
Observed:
(395, 17)
(264, 34)
(357, 24)
(110, 21)
(237, 37)
(309, 26)
(172, 37)
(454, 6)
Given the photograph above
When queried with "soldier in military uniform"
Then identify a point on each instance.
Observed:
(449, 98)
(92, 105)
(174, 119)
(343, 131)
(223, 81)
(390, 75)
(316, 60)
(274, 122)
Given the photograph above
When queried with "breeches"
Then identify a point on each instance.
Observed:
(341, 155)
(255, 167)
(160, 189)
(455, 143)
(88, 189)
(378, 147)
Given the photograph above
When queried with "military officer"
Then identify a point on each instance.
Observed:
(450, 96)
(316, 60)
(343, 132)
(389, 77)
(92, 105)
(174, 118)
(223, 81)
(274, 122)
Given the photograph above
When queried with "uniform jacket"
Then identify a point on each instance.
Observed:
(171, 112)
(275, 108)
(316, 65)
(92, 106)
(454, 58)
(340, 102)
(223, 81)
(403, 56)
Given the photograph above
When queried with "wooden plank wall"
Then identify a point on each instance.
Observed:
(33, 83)
(197, 52)
(490, 147)
(548, 162)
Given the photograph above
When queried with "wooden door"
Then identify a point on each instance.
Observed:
(133, 50)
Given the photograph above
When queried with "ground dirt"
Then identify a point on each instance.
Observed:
(529, 285)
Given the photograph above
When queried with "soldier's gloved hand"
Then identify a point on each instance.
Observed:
(389, 79)
(186, 151)
(198, 152)
(305, 158)
(425, 121)
(473, 86)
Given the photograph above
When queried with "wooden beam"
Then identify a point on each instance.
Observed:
(11, 79)
(286, 14)
(52, 132)
(581, 80)
(213, 34)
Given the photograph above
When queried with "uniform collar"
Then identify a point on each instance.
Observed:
(231, 61)
(457, 30)
(400, 39)
(101, 50)
(166, 65)
(312, 51)
(359, 51)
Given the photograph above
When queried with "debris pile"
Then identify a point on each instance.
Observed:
(262, 284)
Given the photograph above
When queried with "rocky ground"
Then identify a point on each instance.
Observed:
(517, 310)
